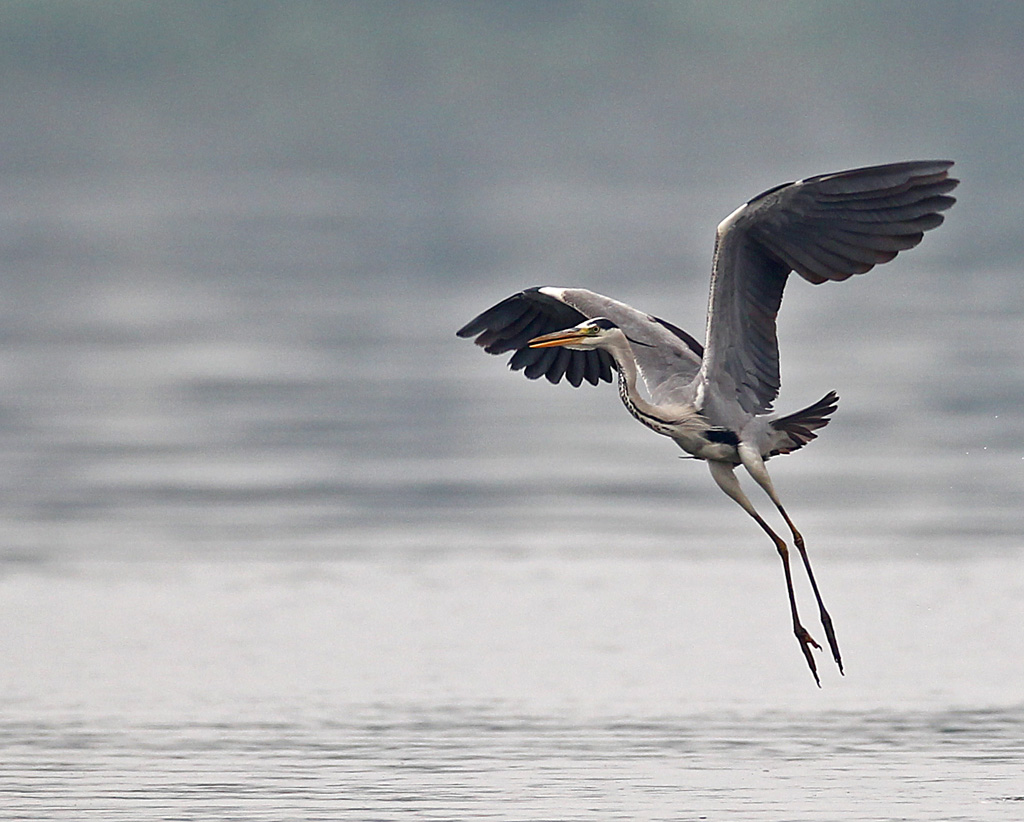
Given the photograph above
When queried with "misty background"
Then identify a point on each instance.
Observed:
(275, 544)
(236, 239)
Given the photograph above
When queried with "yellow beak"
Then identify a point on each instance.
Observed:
(566, 337)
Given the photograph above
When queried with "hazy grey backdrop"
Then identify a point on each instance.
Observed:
(236, 238)
(275, 544)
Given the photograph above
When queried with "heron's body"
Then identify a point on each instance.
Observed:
(715, 400)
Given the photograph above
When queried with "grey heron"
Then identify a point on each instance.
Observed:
(716, 400)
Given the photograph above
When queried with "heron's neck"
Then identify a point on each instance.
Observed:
(665, 420)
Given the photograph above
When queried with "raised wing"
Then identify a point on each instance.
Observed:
(828, 227)
(668, 358)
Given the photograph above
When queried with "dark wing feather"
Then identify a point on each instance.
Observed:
(513, 322)
(825, 228)
(794, 431)
(667, 358)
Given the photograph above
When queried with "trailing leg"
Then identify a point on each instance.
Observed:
(726, 478)
(756, 468)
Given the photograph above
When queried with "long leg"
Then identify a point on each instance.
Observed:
(726, 479)
(756, 468)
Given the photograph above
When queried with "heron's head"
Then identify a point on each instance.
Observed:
(583, 337)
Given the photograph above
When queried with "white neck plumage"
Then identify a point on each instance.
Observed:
(667, 420)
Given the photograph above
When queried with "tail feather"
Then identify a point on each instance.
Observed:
(796, 430)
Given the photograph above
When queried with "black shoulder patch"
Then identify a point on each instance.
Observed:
(723, 435)
(690, 342)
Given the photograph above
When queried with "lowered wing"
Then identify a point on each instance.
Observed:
(668, 358)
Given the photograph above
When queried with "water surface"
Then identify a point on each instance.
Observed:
(277, 545)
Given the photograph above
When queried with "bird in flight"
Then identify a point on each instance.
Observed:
(716, 400)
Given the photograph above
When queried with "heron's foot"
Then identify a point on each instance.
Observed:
(806, 642)
(805, 638)
(830, 636)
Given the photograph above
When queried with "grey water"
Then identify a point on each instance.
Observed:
(292, 550)
(274, 544)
